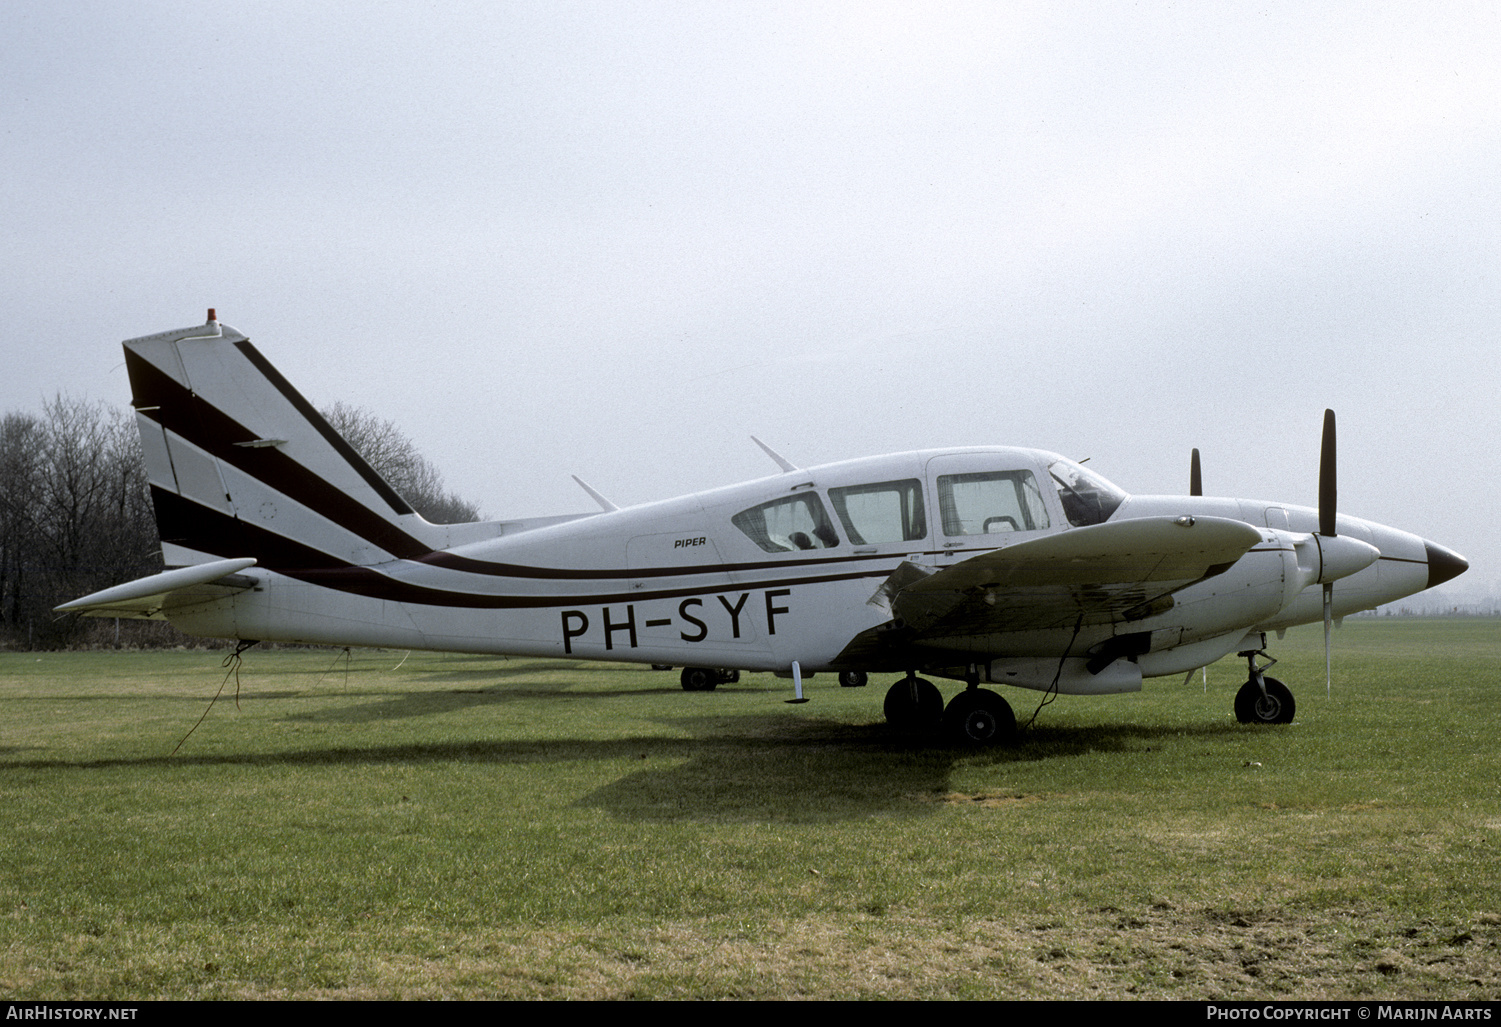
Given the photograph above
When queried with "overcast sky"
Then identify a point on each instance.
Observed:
(615, 239)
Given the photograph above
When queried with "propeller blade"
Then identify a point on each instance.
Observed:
(1327, 488)
(1196, 488)
(1328, 504)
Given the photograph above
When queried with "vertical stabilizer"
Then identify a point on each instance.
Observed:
(241, 465)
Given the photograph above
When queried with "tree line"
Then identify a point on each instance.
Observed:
(76, 516)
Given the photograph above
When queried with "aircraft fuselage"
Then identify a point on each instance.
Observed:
(676, 582)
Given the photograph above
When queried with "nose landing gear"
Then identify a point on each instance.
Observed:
(1263, 700)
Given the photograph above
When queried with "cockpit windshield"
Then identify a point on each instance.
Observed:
(1087, 498)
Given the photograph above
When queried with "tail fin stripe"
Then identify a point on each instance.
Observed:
(199, 422)
(325, 429)
(187, 523)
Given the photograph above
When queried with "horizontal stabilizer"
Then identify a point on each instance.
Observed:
(144, 598)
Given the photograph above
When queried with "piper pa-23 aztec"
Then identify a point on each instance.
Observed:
(984, 566)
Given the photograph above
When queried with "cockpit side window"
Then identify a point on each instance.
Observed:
(1087, 498)
(991, 502)
(887, 511)
(788, 525)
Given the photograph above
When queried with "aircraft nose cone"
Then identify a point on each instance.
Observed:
(1443, 564)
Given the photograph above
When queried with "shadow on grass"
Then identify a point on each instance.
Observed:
(401, 705)
(759, 768)
(814, 771)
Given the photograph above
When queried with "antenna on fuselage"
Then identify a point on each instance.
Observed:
(604, 503)
(782, 461)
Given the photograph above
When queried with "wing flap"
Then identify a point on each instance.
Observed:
(145, 598)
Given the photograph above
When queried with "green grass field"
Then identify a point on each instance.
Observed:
(450, 826)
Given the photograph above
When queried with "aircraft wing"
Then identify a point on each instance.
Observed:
(147, 598)
(1104, 573)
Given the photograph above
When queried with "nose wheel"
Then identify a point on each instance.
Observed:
(1273, 706)
(1263, 700)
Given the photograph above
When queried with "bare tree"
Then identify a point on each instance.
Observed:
(20, 480)
(395, 458)
(75, 514)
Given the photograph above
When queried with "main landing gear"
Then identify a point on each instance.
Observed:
(914, 704)
(706, 679)
(1263, 700)
(976, 716)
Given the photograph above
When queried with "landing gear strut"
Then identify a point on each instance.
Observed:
(1263, 700)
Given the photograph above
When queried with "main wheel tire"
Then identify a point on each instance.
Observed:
(977, 716)
(914, 704)
(852, 679)
(1276, 707)
(699, 679)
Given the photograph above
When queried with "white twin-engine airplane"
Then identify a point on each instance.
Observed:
(985, 565)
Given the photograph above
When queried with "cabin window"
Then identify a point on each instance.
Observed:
(990, 503)
(1087, 498)
(888, 511)
(788, 525)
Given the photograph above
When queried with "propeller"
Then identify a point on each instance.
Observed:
(1328, 500)
(1337, 556)
(1196, 488)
